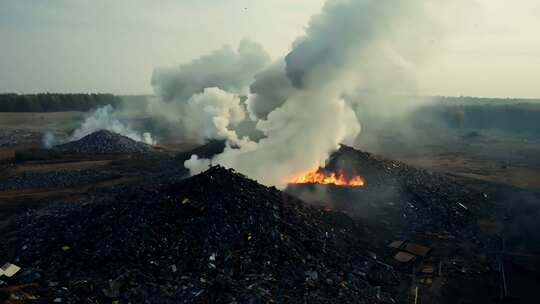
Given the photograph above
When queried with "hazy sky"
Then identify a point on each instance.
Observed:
(489, 48)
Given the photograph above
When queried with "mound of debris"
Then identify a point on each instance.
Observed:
(426, 224)
(407, 201)
(104, 142)
(217, 237)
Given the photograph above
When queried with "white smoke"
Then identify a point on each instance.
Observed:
(225, 69)
(270, 90)
(299, 102)
(49, 140)
(105, 118)
(211, 114)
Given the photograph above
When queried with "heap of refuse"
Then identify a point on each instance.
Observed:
(217, 237)
(104, 142)
(416, 200)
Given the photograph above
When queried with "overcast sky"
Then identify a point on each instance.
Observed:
(492, 48)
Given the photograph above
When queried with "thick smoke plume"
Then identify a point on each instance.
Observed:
(183, 90)
(225, 68)
(105, 118)
(302, 103)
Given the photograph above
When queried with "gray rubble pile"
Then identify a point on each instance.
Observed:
(104, 142)
(407, 201)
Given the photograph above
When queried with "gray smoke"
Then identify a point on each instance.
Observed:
(374, 45)
(225, 68)
(302, 103)
(49, 140)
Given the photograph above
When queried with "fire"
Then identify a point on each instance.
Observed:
(317, 176)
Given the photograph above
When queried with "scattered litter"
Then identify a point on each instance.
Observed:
(9, 270)
(428, 269)
(312, 275)
(396, 244)
(417, 250)
(404, 257)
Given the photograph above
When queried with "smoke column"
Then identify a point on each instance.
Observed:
(298, 102)
(217, 78)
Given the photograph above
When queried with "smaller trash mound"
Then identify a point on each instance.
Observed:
(104, 142)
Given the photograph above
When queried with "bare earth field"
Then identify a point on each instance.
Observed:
(507, 158)
(38, 121)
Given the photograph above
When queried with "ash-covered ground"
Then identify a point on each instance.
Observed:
(132, 227)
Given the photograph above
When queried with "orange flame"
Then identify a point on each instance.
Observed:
(318, 177)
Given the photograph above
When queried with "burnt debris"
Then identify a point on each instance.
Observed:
(439, 227)
(409, 202)
(217, 237)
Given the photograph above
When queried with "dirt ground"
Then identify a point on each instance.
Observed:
(507, 158)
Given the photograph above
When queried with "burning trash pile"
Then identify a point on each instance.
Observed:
(407, 201)
(104, 142)
(216, 237)
(321, 176)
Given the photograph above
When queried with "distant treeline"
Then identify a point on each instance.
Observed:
(55, 102)
(511, 117)
(476, 101)
(49, 102)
